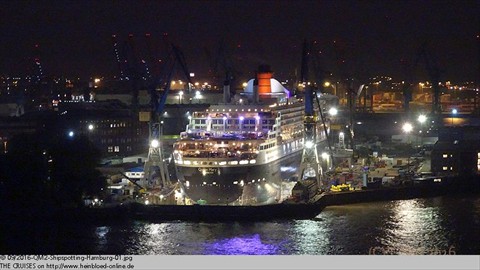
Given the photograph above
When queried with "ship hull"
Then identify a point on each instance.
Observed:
(241, 185)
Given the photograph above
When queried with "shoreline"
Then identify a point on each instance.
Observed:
(220, 213)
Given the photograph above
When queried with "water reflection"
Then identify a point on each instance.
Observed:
(101, 233)
(312, 237)
(418, 226)
(415, 228)
(243, 245)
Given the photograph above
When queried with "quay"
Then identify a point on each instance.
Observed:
(281, 211)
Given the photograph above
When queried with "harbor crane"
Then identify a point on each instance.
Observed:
(132, 67)
(223, 60)
(434, 74)
(156, 170)
(310, 167)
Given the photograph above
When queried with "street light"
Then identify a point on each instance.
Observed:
(180, 95)
(407, 128)
(454, 112)
(198, 96)
(325, 156)
(333, 111)
(422, 119)
(328, 84)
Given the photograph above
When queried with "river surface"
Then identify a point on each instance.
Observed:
(448, 224)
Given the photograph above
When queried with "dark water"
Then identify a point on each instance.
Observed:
(417, 226)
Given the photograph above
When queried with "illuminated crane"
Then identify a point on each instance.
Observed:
(156, 171)
(310, 167)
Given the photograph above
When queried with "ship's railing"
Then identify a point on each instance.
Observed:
(219, 155)
(215, 161)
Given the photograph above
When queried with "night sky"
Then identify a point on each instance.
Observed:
(355, 38)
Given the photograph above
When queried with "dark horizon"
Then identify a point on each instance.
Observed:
(372, 38)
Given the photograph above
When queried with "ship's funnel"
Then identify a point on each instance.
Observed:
(264, 76)
(255, 91)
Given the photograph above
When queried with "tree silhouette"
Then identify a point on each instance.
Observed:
(41, 171)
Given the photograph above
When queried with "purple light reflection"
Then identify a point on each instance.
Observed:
(245, 245)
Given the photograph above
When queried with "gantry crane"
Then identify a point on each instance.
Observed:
(132, 67)
(310, 167)
(156, 170)
(434, 74)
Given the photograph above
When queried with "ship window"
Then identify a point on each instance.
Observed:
(445, 168)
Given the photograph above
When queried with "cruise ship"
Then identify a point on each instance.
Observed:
(247, 151)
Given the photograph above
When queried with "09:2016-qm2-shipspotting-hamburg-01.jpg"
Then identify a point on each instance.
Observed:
(247, 151)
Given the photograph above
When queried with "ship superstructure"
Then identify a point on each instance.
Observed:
(243, 154)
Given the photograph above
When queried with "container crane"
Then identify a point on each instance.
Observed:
(434, 74)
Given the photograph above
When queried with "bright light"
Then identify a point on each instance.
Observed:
(333, 111)
(97, 80)
(146, 202)
(189, 117)
(308, 144)
(90, 127)
(244, 84)
(341, 134)
(407, 127)
(180, 93)
(422, 118)
(326, 84)
(241, 118)
(192, 74)
(454, 111)
(325, 155)
(71, 133)
(155, 143)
